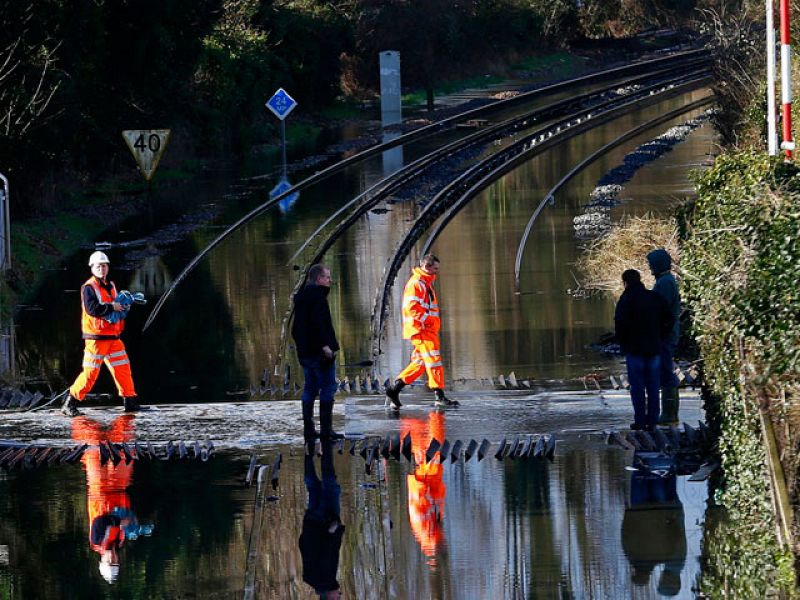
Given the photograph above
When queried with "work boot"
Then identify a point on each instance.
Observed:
(310, 432)
(130, 404)
(670, 402)
(393, 393)
(443, 401)
(70, 407)
(326, 422)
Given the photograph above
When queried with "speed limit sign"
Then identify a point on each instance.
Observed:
(147, 146)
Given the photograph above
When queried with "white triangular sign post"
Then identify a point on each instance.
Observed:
(147, 147)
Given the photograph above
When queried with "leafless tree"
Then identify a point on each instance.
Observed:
(26, 83)
(737, 46)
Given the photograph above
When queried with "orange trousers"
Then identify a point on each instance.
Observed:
(95, 353)
(426, 356)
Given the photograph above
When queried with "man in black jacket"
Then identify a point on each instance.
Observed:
(316, 345)
(642, 319)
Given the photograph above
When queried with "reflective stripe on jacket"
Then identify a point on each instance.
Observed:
(97, 328)
(420, 306)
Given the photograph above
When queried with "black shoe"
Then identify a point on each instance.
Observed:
(393, 392)
(331, 436)
(70, 407)
(443, 401)
(131, 405)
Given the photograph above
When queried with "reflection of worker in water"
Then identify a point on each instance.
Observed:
(426, 489)
(653, 532)
(322, 533)
(111, 520)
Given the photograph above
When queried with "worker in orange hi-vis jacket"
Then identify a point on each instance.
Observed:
(102, 323)
(111, 520)
(421, 324)
(426, 488)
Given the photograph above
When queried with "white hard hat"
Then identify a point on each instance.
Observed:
(109, 572)
(98, 258)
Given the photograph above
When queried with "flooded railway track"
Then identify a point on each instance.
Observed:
(563, 119)
(456, 194)
(617, 74)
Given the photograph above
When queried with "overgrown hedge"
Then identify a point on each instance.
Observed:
(741, 268)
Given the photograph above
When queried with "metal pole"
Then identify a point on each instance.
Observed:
(5, 227)
(772, 134)
(786, 80)
(283, 145)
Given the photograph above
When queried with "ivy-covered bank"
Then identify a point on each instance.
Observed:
(740, 269)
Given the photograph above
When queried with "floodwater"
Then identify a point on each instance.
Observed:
(578, 527)
(581, 526)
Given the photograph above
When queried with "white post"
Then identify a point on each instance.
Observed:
(5, 227)
(772, 133)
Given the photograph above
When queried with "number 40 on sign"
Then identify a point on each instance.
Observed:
(147, 147)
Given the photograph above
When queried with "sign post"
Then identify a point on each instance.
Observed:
(5, 226)
(281, 104)
(147, 147)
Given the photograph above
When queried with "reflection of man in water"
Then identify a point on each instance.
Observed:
(321, 537)
(653, 532)
(111, 520)
(426, 489)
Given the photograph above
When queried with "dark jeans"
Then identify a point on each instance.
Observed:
(644, 377)
(668, 377)
(320, 380)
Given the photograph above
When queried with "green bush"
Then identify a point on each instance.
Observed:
(740, 266)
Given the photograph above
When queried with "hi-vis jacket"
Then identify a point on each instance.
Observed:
(420, 307)
(93, 326)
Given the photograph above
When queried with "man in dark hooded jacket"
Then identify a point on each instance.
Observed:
(316, 345)
(641, 319)
(660, 265)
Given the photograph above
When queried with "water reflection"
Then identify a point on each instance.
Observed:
(112, 521)
(426, 487)
(7, 352)
(653, 532)
(322, 533)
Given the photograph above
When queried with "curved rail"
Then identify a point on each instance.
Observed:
(383, 188)
(514, 155)
(549, 198)
(405, 138)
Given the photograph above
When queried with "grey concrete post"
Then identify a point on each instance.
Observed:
(391, 108)
(391, 111)
(5, 227)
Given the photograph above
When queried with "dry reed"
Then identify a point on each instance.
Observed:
(626, 247)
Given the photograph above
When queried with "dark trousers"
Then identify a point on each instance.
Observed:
(320, 380)
(666, 353)
(645, 378)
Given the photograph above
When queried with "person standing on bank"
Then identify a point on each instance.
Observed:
(102, 343)
(641, 320)
(421, 324)
(660, 266)
(315, 341)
